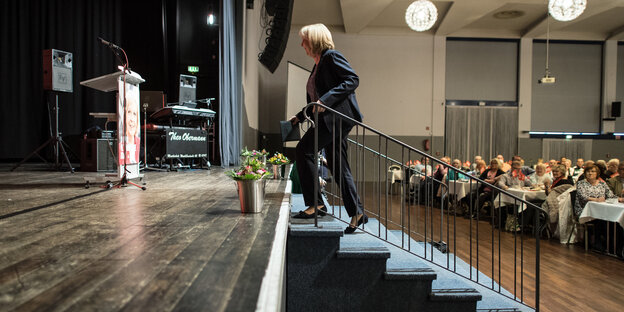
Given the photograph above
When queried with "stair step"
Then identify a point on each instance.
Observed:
(309, 230)
(459, 294)
(410, 274)
(376, 252)
(500, 310)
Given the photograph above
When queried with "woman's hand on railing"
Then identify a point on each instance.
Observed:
(318, 108)
(294, 120)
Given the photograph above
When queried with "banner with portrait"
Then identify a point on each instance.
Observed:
(128, 129)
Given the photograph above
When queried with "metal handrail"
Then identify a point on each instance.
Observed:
(430, 184)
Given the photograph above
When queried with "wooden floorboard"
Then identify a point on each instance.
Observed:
(181, 245)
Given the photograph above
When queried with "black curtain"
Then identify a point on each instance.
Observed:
(26, 29)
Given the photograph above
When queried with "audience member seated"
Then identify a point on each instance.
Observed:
(615, 183)
(453, 175)
(593, 189)
(578, 169)
(479, 169)
(504, 166)
(539, 177)
(476, 160)
(568, 167)
(525, 169)
(612, 168)
(559, 177)
(585, 165)
(553, 203)
(514, 178)
(602, 165)
(485, 192)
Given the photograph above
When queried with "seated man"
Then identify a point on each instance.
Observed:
(615, 183)
(612, 167)
(453, 175)
(514, 178)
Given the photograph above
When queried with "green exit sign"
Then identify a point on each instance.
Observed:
(193, 69)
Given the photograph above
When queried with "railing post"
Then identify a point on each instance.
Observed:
(316, 163)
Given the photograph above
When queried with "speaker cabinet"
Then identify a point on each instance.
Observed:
(98, 155)
(616, 109)
(188, 87)
(57, 70)
(278, 38)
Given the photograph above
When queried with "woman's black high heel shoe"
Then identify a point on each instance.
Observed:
(350, 229)
(303, 215)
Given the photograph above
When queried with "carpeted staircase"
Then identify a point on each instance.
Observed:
(330, 271)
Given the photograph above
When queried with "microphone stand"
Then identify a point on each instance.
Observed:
(126, 69)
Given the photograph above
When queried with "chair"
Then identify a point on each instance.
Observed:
(576, 223)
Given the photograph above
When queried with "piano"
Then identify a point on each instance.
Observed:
(188, 116)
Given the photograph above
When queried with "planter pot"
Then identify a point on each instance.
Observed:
(251, 195)
(277, 172)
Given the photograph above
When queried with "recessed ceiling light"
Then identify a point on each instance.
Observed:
(508, 14)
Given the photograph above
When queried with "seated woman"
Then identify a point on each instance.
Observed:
(559, 178)
(485, 191)
(593, 189)
(539, 177)
(480, 167)
(553, 189)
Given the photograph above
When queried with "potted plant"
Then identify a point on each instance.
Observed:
(245, 153)
(250, 182)
(277, 161)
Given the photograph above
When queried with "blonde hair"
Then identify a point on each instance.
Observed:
(318, 36)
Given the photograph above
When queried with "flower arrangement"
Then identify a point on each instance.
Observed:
(251, 169)
(279, 159)
(253, 153)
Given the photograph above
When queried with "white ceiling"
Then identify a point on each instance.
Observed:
(601, 20)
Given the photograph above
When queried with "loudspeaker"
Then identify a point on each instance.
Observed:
(188, 87)
(616, 109)
(57, 70)
(278, 35)
(96, 155)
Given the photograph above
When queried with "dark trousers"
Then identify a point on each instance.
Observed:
(336, 155)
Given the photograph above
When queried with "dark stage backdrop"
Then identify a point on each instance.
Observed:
(148, 30)
(27, 28)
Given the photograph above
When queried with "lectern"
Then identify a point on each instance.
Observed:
(128, 118)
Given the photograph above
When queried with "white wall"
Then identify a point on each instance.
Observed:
(396, 74)
(251, 77)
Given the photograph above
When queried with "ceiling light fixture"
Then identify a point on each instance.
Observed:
(421, 15)
(566, 10)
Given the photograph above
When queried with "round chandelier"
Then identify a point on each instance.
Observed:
(421, 15)
(566, 10)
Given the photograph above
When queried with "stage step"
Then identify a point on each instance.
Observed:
(402, 282)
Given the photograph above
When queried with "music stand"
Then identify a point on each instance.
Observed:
(122, 81)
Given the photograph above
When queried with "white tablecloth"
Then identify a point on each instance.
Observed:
(527, 195)
(603, 211)
(460, 188)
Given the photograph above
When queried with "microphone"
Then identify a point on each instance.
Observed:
(109, 44)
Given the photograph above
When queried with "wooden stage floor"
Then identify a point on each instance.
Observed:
(180, 245)
(184, 245)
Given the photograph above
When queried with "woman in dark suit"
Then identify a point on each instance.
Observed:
(331, 83)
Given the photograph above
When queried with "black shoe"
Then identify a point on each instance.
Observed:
(350, 229)
(303, 215)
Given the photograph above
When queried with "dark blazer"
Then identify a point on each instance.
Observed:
(483, 176)
(335, 85)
